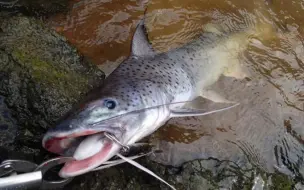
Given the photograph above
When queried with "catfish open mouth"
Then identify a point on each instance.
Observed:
(89, 149)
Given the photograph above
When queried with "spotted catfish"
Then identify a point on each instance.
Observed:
(139, 96)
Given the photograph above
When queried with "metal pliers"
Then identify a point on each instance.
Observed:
(21, 174)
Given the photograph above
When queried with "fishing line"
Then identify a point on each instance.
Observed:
(113, 138)
(130, 160)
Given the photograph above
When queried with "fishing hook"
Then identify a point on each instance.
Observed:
(113, 138)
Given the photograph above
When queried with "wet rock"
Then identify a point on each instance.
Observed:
(101, 30)
(205, 174)
(118, 178)
(7, 124)
(35, 7)
(41, 77)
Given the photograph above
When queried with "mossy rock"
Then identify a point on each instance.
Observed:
(35, 7)
(41, 77)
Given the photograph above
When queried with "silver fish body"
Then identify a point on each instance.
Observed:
(137, 97)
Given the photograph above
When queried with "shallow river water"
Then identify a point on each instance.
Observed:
(267, 128)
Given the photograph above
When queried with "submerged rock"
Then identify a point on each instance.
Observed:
(7, 124)
(41, 77)
(35, 7)
(100, 29)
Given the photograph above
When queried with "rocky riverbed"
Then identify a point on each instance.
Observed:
(42, 75)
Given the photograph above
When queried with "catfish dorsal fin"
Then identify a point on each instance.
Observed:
(140, 43)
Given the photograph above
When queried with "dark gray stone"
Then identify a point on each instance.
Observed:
(35, 7)
(41, 77)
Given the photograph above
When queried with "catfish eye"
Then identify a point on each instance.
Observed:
(110, 104)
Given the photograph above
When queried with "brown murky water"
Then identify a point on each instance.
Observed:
(267, 127)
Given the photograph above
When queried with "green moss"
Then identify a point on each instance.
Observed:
(46, 73)
(281, 182)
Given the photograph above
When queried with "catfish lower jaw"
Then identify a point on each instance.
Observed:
(90, 146)
(78, 167)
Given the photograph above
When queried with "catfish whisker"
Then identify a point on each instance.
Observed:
(144, 169)
(109, 164)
